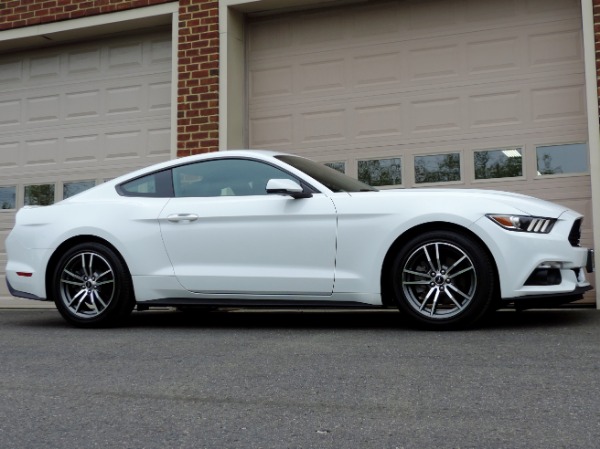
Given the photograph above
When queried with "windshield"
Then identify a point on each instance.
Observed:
(330, 178)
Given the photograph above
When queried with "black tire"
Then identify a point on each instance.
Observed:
(91, 286)
(444, 280)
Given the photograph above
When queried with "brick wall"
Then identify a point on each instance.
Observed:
(20, 13)
(198, 56)
(198, 89)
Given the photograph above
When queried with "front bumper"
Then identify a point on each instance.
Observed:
(555, 299)
(545, 301)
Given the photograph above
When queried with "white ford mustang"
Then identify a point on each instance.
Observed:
(256, 228)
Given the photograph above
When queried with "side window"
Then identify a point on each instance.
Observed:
(225, 177)
(155, 185)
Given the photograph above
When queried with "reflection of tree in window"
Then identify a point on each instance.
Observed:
(546, 167)
(562, 159)
(73, 188)
(39, 195)
(498, 164)
(380, 172)
(437, 168)
(7, 196)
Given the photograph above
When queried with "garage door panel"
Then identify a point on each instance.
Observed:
(389, 68)
(10, 72)
(434, 60)
(322, 75)
(496, 109)
(378, 120)
(9, 155)
(556, 47)
(10, 114)
(82, 149)
(530, 52)
(559, 103)
(40, 152)
(323, 126)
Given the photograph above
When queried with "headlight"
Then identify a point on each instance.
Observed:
(524, 223)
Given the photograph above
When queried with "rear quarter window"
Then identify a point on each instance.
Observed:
(154, 185)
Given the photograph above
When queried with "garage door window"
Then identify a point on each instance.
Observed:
(437, 168)
(8, 197)
(562, 159)
(498, 163)
(73, 188)
(380, 172)
(39, 195)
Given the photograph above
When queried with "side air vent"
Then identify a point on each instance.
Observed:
(575, 234)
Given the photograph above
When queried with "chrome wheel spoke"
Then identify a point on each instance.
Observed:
(73, 275)
(81, 293)
(101, 275)
(455, 265)
(424, 303)
(437, 256)
(467, 297)
(86, 274)
(462, 271)
(105, 282)
(434, 303)
(91, 269)
(78, 283)
(97, 296)
(459, 305)
(428, 258)
(417, 273)
(417, 282)
(81, 301)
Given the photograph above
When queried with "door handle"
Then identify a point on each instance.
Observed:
(176, 218)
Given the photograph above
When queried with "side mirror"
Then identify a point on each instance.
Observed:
(287, 187)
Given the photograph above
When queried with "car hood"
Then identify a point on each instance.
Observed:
(488, 201)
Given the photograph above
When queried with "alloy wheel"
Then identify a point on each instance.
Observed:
(439, 280)
(87, 284)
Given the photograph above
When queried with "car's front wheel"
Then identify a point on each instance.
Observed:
(91, 286)
(443, 279)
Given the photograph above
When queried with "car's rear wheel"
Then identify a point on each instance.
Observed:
(91, 286)
(443, 279)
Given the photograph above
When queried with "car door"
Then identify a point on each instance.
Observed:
(225, 235)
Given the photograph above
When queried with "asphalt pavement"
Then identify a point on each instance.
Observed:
(299, 379)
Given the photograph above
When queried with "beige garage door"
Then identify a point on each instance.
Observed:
(76, 115)
(462, 93)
